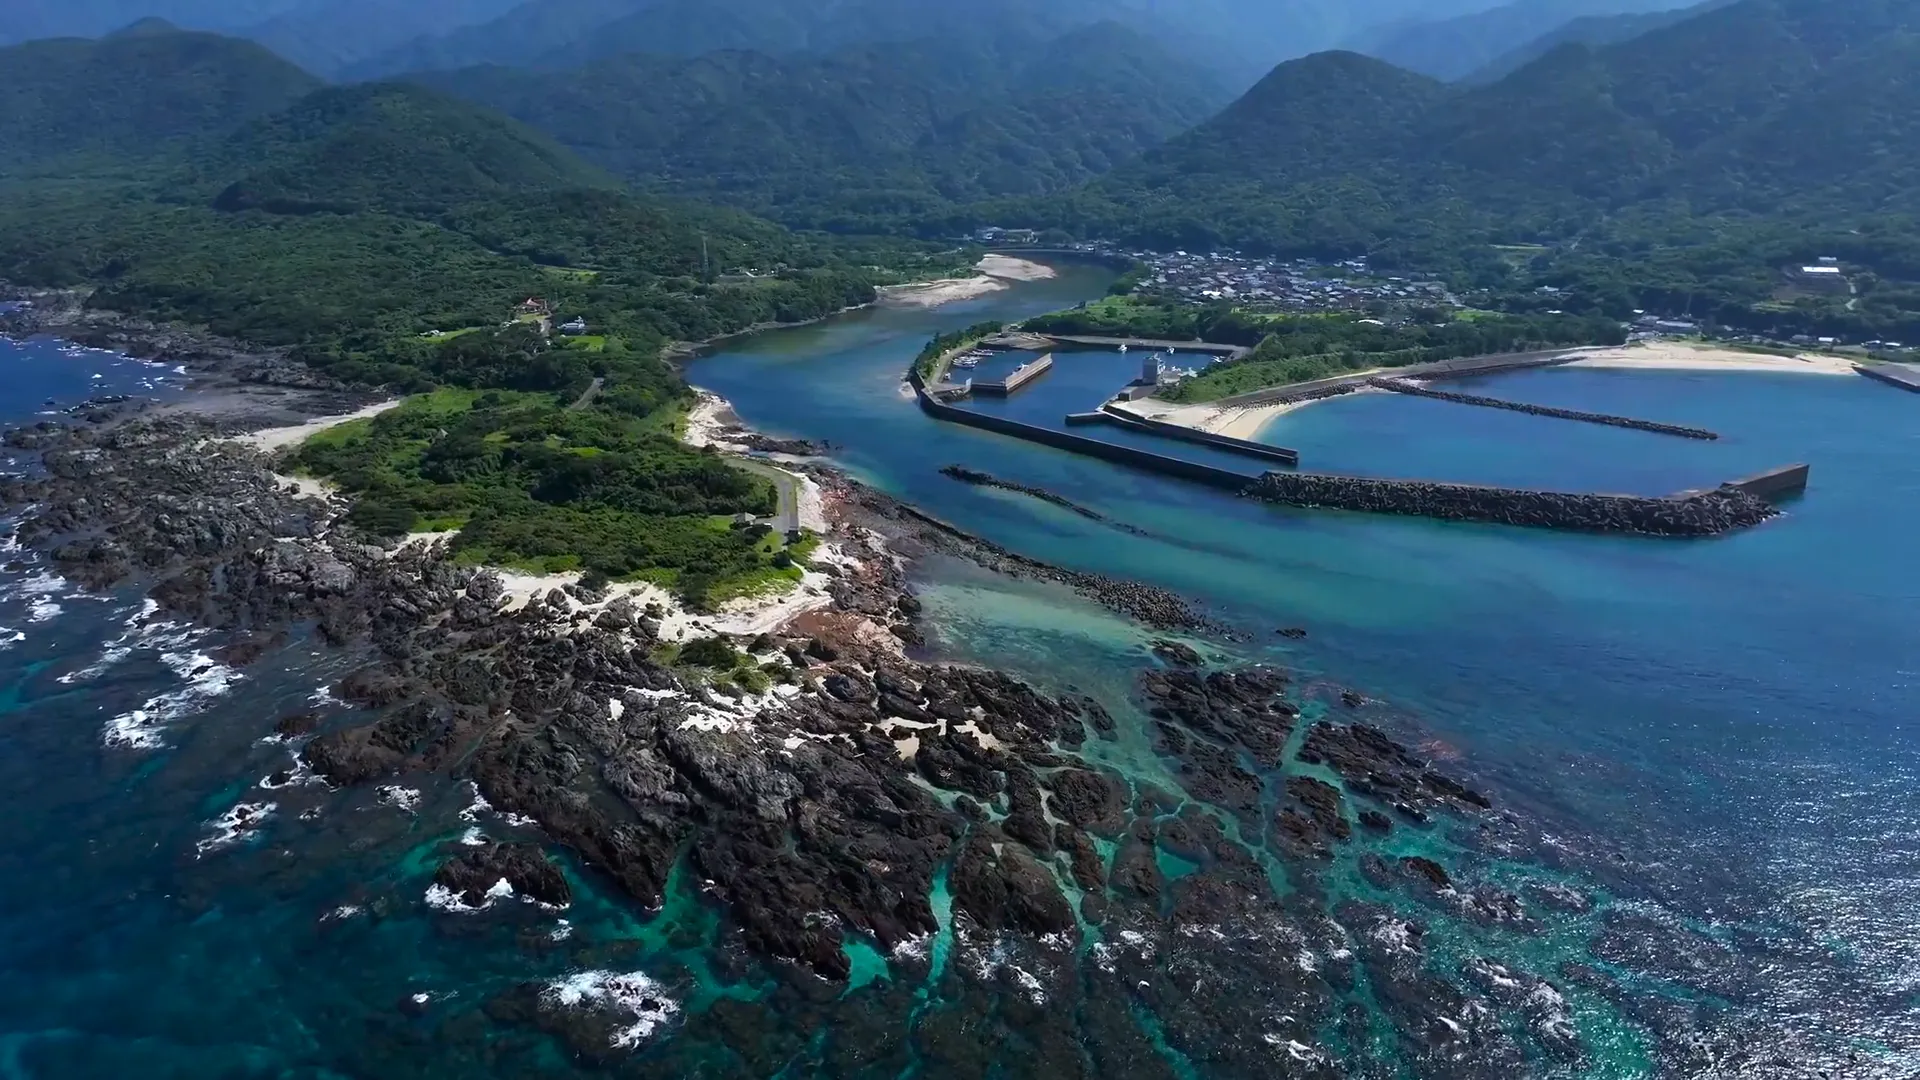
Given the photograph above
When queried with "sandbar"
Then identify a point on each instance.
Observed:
(995, 273)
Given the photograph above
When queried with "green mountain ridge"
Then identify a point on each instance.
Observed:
(871, 137)
(389, 146)
(132, 95)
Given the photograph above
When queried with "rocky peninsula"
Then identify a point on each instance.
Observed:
(952, 818)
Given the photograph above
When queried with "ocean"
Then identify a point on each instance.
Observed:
(1712, 741)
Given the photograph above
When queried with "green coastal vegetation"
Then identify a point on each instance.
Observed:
(390, 236)
(431, 236)
(1315, 347)
(944, 344)
(1300, 348)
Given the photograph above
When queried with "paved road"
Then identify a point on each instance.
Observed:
(586, 399)
(787, 517)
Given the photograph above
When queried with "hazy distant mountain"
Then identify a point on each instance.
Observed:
(327, 36)
(1457, 47)
(29, 20)
(1764, 108)
(1595, 30)
(871, 135)
(1240, 38)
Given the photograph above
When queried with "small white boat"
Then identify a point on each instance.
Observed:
(1123, 346)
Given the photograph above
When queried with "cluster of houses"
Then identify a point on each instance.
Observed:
(1298, 285)
(535, 307)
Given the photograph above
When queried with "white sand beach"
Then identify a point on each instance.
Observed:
(1680, 356)
(272, 439)
(995, 273)
(1238, 422)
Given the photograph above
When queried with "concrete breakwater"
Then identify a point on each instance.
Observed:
(1401, 386)
(1707, 513)
(1224, 479)
(1181, 432)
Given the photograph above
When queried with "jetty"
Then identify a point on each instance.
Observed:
(1904, 376)
(1016, 379)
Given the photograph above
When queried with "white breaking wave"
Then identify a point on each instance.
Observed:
(238, 825)
(633, 997)
(442, 898)
(142, 631)
(407, 799)
(207, 679)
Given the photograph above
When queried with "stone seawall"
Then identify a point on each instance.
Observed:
(1401, 386)
(1706, 514)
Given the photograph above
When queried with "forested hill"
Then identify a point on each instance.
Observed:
(389, 147)
(134, 95)
(869, 138)
(1793, 111)
(387, 235)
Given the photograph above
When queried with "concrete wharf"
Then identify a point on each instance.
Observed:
(1016, 379)
(1904, 376)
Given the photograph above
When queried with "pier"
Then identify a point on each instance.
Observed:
(1016, 379)
(1903, 376)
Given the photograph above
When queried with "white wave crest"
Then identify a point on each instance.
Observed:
(633, 997)
(207, 679)
(236, 826)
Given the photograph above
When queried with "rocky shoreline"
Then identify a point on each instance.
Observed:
(823, 810)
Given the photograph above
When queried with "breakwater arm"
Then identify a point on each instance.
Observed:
(1708, 513)
(1401, 386)
(981, 479)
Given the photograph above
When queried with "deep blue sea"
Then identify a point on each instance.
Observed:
(1714, 738)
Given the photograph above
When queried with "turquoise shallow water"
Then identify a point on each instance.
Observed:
(1713, 737)
(1727, 724)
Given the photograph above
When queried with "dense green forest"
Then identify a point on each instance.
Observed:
(386, 235)
(1683, 171)
(872, 138)
(532, 483)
